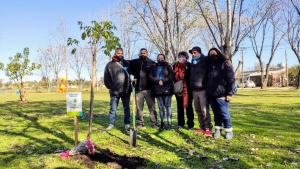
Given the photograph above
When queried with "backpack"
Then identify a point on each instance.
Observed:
(234, 87)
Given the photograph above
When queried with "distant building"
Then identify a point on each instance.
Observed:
(276, 76)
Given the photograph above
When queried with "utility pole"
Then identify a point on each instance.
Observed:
(286, 70)
(242, 67)
(66, 60)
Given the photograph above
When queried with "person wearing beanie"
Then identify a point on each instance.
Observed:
(117, 80)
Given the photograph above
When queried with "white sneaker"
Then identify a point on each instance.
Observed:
(110, 126)
(127, 126)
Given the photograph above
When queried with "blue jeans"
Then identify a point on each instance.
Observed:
(114, 101)
(221, 113)
(165, 102)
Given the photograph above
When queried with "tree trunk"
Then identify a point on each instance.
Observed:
(22, 92)
(262, 80)
(265, 82)
(57, 82)
(298, 81)
(92, 88)
(79, 83)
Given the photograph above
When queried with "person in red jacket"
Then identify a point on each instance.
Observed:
(184, 101)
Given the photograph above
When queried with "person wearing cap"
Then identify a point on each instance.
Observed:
(185, 100)
(198, 80)
(140, 69)
(117, 80)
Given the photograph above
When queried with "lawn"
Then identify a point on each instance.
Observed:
(266, 135)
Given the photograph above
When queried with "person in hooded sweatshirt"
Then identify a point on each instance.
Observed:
(219, 90)
(117, 80)
(161, 77)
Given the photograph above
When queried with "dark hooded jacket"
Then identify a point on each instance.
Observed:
(220, 80)
(117, 79)
(198, 75)
(167, 79)
(140, 70)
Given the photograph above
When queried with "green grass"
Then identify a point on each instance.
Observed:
(266, 134)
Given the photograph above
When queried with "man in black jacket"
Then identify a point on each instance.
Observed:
(117, 80)
(140, 69)
(198, 80)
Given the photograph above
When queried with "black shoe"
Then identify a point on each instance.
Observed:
(191, 128)
(179, 127)
(162, 126)
(169, 127)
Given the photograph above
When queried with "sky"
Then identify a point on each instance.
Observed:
(27, 23)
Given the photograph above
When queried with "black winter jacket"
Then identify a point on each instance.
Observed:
(198, 75)
(167, 79)
(221, 80)
(140, 70)
(116, 79)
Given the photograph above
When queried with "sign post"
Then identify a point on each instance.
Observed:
(74, 108)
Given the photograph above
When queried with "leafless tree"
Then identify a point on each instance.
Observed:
(268, 28)
(60, 36)
(169, 25)
(100, 62)
(51, 57)
(296, 6)
(292, 19)
(45, 70)
(226, 22)
(128, 37)
(77, 61)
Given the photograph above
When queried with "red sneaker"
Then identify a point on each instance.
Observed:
(207, 133)
(199, 131)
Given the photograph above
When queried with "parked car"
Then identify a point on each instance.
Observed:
(248, 83)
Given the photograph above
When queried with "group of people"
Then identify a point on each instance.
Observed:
(207, 80)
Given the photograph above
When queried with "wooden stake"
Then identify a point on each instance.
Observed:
(76, 130)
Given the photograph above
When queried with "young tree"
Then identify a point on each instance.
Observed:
(95, 34)
(19, 67)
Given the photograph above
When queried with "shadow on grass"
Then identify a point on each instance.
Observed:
(41, 123)
(248, 117)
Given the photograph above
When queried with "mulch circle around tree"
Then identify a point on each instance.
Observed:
(109, 159)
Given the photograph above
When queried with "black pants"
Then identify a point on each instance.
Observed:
(189, 111)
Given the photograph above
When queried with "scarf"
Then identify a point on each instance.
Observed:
(179, 69)
(114, 58)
